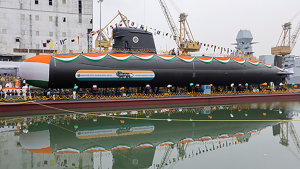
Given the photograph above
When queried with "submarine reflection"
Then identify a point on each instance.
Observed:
(144, 138)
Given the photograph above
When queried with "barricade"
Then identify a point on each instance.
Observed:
(142, 96)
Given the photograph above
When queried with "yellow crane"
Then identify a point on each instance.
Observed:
(286, 41)
(181, 147)
(106, 41)
(185, 42)
(286, 129)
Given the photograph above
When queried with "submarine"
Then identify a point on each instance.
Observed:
(134, 62)
(161, 127)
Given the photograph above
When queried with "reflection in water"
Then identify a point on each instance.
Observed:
(156, 138)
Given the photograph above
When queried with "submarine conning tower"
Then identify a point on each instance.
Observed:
(132, 40)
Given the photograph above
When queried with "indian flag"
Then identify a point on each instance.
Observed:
(252, 131)
(253, 62)
(36, 70)
(144, 56)
(121, 57)
(167, 57)
(240, 61)
(95, 149)
(68, 150)
(144, 145)
(186, 59)
(267, 65)
(186, 140)
(238, 134)
(36, 142)
(66, 58)
(223, 60)
(204, 138)
(121, 147)
(166, 143)
(94, 57)
(205, 59)
(222, 136)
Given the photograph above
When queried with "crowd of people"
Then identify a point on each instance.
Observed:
(128, 91)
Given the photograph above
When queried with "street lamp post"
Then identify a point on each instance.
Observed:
(100, 34)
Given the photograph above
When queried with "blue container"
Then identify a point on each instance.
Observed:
(206, 89)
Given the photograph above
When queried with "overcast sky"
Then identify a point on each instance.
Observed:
(215, 22)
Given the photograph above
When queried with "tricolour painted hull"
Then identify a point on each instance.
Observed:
(133, 70)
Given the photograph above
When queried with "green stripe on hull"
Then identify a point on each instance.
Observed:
(38, 83)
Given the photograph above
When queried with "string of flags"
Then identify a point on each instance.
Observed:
(156, 32)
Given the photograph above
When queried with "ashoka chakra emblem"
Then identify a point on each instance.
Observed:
(135, 39)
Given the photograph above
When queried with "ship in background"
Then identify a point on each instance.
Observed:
(290, 63)
(281, 53)
(244, 42)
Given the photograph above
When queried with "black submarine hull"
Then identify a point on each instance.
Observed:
(129, 70)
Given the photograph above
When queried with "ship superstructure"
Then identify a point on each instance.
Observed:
(244, 42)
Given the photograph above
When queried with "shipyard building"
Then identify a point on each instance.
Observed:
(33, 27)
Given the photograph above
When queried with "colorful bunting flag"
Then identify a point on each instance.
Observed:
(51, 44)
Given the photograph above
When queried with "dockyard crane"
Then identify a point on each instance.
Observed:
(286, 42)
(106, 40)
(181, 147)
(286, 129)
(185, 42)
(169, 149)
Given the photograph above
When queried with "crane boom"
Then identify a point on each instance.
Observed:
(294, 136)
(169, 18)
(286, 129)
(295, 36)
(186, 41)
(286, 42)
(105, 40)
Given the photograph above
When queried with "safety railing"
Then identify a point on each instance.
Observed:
(82, 97)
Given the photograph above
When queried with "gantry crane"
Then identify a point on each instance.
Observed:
(106, 41)
(286, 129)
(185, 42)
(169, 149)
(286, 42)
(181, 147)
